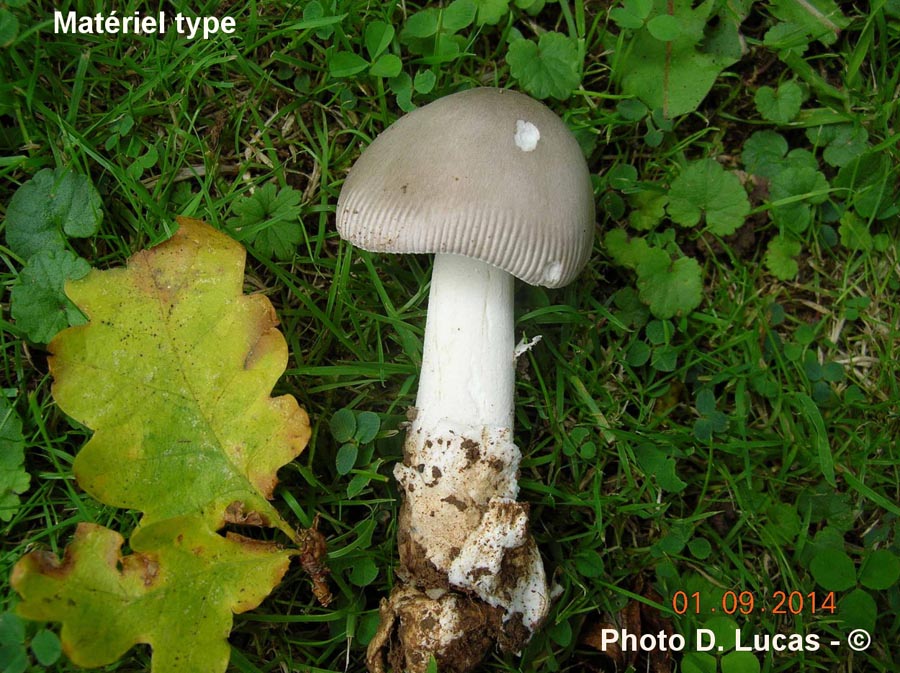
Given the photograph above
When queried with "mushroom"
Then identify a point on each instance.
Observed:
(495, 184)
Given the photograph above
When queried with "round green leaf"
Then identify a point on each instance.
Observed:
(346, 458)
(725, 629)
(363, 572)
(699, 662)
(46, 647)
(740, 662)
(783, 523)
(833, 372)
(387, 65)
(858, 610)
(626, 19)
(833, 570)
(764, 152)
(855, 233)
(342, 425)
(561, 633)
(637, 354)
(880, 570)
(367, 627)
(490, 12)
(703, 430)
(345, 64)
(378, 37)
(588, 451)
(589, 564)
(700, 548)
(664, 359)
(14, 481)
(13, 658)
(629, 252)
(457, 15)
(420, 25)
(367, 426)
(12, 629)
(424, 81)
(849, 142)
(401, 85)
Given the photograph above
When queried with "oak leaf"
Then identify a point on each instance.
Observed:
(173, 372)
(176, 592)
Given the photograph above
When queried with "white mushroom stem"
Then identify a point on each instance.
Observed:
(459, 474)
(468, 368)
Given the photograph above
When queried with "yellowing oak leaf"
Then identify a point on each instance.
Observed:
(176, 592)
(173, 373)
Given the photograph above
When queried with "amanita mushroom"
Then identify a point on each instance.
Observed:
(495, 184)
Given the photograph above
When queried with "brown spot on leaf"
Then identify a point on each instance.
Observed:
(236, 514)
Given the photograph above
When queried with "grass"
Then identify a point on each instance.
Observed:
(633, 497)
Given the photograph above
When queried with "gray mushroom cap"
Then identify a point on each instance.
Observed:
(486, 173)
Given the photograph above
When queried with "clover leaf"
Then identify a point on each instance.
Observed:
(880, 570)
(345, 64)
(378, 37)
(657, 462)
(706, 190)
(431, 31)
(833, 570)
(549, 68)
(711, 420)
